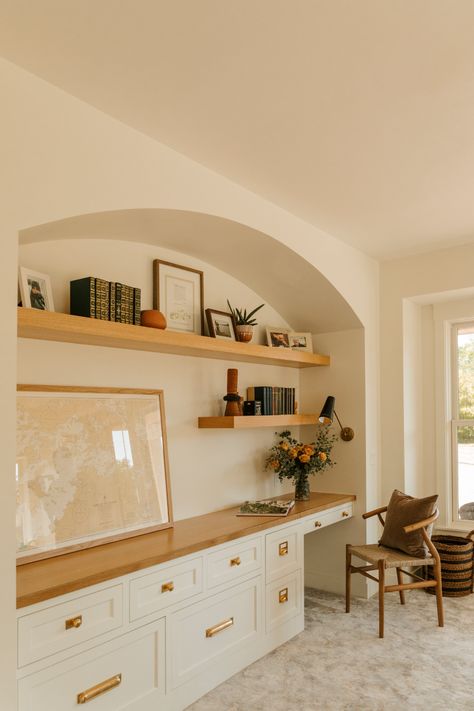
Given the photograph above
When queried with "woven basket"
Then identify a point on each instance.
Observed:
(456, 556)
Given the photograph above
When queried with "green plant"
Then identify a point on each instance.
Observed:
(242, 318)
(290, 458)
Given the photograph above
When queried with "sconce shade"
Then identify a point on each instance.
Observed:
(327, 413)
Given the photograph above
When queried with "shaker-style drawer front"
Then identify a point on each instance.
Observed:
(284, 600)
(168, 585)
(209, 630)
(62, 626)
(283, 552)
(127, 673)
(326, 518)
(234, 561)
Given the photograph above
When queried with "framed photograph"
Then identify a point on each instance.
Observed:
(221, 324)
(35, 290)
(278, 337)
(178, 292)
(92, 467)
(301, 341)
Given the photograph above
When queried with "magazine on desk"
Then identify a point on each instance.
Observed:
(266, 507)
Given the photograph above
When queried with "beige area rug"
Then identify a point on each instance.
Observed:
(339, 662)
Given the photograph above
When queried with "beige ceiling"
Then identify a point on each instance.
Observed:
(357, 115)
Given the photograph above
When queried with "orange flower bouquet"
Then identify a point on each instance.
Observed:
(295, 460)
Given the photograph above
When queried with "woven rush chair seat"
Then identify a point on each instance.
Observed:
(372, 553)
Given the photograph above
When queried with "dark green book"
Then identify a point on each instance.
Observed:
(118, 301)
(102, 299)
(111, 301)
(137, 305)
(83, 297)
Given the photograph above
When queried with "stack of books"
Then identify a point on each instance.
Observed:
(105, 300)
(275, 400)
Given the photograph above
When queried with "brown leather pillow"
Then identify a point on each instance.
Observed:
(403, 510)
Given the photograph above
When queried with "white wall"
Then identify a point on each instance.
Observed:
(60, 158)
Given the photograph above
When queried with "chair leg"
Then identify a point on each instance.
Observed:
(381, 597)
(400, 582)
(348, 578)
(439, 593)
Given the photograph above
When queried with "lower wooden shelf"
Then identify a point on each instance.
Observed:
(244, 423)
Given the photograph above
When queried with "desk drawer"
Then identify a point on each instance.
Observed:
(129, 671)
(326, 518)
(284, 600)
(232, 562)
(284, 551)
(168, 585)
(213, 628)
(60, 627)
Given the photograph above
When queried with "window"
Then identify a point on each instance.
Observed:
(462, 423)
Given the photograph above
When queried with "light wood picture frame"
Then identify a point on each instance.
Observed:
(301, 341)
(178, 292)
(35, 290)
(221, 324)
(92, 467)
(278, 337)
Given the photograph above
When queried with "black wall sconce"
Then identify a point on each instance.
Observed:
(326, 417)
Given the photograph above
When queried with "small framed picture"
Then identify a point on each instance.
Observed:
(35, 290)
(178, 292)
(278, 337)
(221, 324)
(301, 341)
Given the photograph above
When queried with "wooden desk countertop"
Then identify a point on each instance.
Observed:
(48, 578)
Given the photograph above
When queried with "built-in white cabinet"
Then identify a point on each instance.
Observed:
(159, 638)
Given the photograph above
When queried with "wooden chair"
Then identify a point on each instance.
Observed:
(382, 558)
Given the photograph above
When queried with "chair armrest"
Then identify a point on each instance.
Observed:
(421, 524)
(375, 512)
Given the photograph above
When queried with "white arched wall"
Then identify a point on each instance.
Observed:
(60, 157)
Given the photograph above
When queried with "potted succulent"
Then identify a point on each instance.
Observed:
(244, 322)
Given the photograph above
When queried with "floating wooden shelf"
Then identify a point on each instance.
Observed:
(51, 326)
(244, 423)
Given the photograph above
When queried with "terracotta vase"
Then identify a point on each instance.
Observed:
(153, 319)
(302, 491)
(244, 333)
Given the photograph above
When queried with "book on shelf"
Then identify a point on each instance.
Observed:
(275, 400)
(83, 297)
(266, 507)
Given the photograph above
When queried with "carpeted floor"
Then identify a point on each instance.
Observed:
(339, 663)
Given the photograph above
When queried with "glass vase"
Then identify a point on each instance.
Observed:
(302, 487)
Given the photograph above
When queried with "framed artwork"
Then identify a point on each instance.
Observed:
(92, 467)
(178, 292)
(278, 337)
(301, 341)
(221, 324)
(35, 290)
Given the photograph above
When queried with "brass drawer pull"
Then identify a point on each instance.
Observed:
(317, 524)
(211, 631)
(167, 587)
(283, 548)
(345, 514)
(235, 561)
(73, 622)
(283, 595)
(99, 689)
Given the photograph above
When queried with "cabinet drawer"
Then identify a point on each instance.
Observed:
(220, 625)
(166, 586)
(284, 600)
(283, 552)
(129, 671)
(234, 561)
(60, 627)
(326, 518)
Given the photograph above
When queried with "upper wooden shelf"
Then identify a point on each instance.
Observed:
(243, 423)
(52, 326)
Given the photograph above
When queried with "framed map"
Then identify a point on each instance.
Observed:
(92, 467)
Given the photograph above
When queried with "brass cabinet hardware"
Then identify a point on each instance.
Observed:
(211, 631)
(283, 548)
(283, 595)
(99, 689)
(317, 524)
(235, 561)
(345, 514)
(167, 587)
(73, 622)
